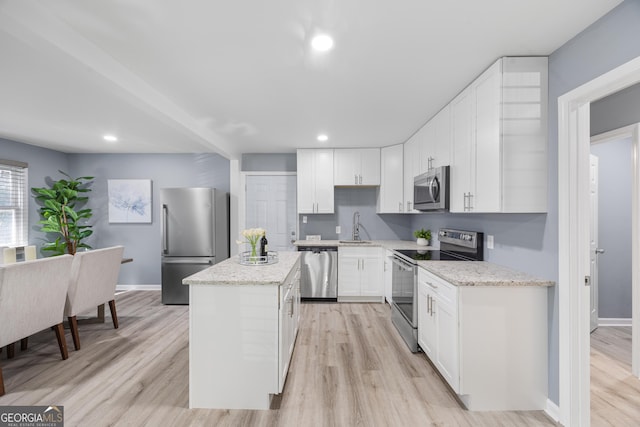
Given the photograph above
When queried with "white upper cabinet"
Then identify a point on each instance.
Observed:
(411, 169)
(390, 194)
(434, 141)
(315, 181)
(499, 139)
(357, 166)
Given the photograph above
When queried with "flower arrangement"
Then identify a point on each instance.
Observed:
(253, 236)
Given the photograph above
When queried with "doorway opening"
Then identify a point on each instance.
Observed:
(574, 240)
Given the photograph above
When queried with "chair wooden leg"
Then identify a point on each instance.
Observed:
(73, 326)
(24, 343)
(114, 315)
(11, 350)
(1, 383)
(62, 341)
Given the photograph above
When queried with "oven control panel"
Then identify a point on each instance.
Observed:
(469, 239)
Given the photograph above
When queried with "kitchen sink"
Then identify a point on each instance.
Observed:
(357, 242)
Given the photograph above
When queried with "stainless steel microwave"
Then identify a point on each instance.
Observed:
(431, 190)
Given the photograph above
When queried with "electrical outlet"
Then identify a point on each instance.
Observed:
(489, 241)
(304, 219)
(338, 229)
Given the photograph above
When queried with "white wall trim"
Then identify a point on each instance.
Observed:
(552, 410)
(573, 218)
(123, 288)
(612, 321)
(613, 135)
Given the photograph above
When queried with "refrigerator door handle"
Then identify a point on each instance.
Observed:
(186, 260)
(165, 244)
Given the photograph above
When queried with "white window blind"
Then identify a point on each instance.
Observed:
(13, 203)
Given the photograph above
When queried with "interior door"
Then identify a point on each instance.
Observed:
(271, 204)
(593, 257)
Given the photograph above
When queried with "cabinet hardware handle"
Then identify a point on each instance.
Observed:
(428, 304)
(432, 285)
(355, 176)
(408, 206)
(470, 201)
(360, 179)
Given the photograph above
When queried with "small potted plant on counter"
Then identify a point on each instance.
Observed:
(423, 236)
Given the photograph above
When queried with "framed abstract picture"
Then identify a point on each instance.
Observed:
(129, 200)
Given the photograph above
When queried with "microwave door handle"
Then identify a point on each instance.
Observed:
(434, 188)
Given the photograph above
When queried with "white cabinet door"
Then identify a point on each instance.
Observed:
(411, 168)
(488, 98)
(447, 354)
(324, 181)
(360, 274)
(315, 181)
(346, 167)
(426, 138)
(426, 319)
(371, 278)
(462, 153)
(390, 198)
(306, 181)
(357, 166)
(388, 275)
(442, 144)
(348, 273)
(370, 166)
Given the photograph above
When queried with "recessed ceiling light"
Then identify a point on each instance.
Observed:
(110, 138)
(322, 42)
(322, 137)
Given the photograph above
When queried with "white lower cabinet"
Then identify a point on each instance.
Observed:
(360, 275)
(488, 342)
(388, 275)
(289, 315)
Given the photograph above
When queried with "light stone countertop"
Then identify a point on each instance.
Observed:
(387, 244)
(481, 273)
(231, 272)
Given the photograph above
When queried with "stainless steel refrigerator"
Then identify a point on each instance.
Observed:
(195, 235)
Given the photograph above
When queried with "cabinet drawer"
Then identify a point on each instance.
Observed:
(446, 292)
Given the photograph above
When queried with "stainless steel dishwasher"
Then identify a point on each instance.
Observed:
(319, 273)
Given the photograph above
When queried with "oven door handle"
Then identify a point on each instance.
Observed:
(402, 264)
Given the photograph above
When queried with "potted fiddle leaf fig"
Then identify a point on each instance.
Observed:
(61, 213)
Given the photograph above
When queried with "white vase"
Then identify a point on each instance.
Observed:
(422, 242)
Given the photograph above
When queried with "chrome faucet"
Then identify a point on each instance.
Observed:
(356, 226)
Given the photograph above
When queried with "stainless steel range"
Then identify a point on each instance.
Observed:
(455, 245)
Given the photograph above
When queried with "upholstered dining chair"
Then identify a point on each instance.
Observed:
(32, 298)
(94, 276)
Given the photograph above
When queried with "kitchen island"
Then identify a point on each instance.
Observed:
(243, 321)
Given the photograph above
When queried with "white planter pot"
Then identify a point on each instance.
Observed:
(422, 242)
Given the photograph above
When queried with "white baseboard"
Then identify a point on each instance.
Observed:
(553, 411)
(614, 321)
(138, 288)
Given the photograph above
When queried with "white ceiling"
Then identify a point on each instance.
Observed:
(239, 77)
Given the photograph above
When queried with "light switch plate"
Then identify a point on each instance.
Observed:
(338, 229)
(489, 241)
(304, 219)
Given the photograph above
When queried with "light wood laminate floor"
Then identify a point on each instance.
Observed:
(615, 392)
(349, 368)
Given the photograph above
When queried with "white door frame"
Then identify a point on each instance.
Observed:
(242, 199)
(573, 241)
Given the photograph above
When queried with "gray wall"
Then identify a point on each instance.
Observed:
(268, 162)
(142, 241)
(372, 225)
(605, 45)
(614, 224)
(615, 111)
(43, 164)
